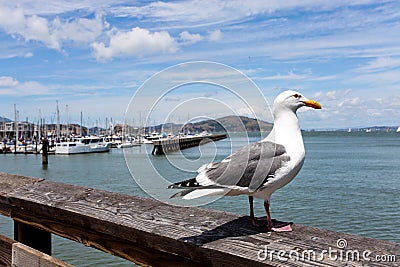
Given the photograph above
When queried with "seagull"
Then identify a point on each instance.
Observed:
(260, 168)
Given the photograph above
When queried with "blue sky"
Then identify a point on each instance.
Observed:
(93, 55)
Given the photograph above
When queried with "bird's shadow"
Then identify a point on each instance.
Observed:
(239, 227)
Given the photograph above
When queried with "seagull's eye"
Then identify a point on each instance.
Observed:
(296, 95)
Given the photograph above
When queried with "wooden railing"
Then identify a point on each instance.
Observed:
(149, 232)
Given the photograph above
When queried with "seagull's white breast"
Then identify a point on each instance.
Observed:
(286, 132)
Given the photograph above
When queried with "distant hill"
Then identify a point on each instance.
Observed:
(4, 119)
(224, 124)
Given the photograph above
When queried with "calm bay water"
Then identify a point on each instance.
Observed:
(349, 183)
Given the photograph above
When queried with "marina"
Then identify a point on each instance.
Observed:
(76, 139)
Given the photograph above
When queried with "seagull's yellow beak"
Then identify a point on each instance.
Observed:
(312, 104)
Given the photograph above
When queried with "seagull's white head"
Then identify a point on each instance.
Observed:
(293, 100)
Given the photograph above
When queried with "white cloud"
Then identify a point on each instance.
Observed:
(6, 81)
(79, 30)
(378, 79)
(9, 86)
(194, 12)
(347, 108)
(31, 28)
(215, 36)
(136, 42)
(28, 55)
(291, 75)
(332, 95)
(349, 102)
(188, 38)
(51, 33)
(380, 64)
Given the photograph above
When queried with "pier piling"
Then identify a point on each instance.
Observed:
(45, 149)
(166, 145)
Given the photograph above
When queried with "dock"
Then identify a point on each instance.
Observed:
(167, 145)
(151, 233)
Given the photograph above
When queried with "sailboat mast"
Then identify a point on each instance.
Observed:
(40, 125)
(58, 122)
(106, 127)
(81, 128)
(4, 127)
(16, 128)
(66, 107)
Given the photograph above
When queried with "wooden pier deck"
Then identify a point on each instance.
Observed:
(152, 233)
(167, 145)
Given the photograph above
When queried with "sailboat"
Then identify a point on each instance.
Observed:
(398, 130)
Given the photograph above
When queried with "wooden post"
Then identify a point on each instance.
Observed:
(45, 149)
(32, 237)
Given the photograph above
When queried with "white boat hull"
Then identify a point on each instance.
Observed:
(67, 148)
(126, 145)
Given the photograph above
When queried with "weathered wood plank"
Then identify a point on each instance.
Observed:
(10, 182)
(5, 250)
(102, 231)
(23, 256)
(153, 233)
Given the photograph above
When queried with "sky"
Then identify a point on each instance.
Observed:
(94, 56)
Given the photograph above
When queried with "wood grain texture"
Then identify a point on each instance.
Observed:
(10, 182)
(24, 256)
(152, 233)
(5, 250)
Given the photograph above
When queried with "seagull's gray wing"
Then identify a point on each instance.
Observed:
(250, 167)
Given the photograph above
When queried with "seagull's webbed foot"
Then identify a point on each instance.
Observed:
(274, 225)
(281, 226)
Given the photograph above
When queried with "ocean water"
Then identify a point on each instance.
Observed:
(349, 183)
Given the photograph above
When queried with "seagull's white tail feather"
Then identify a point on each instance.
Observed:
(203, 167)
(203, 180)
(206, 192)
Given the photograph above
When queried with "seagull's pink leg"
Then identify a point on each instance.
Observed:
(266, 206)
(277, 228)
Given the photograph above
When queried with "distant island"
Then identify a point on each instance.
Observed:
(224, 124)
